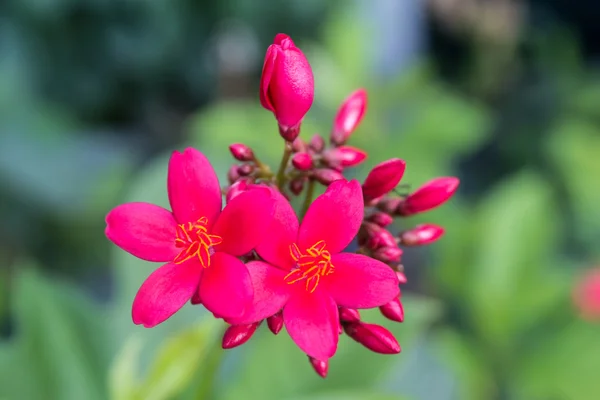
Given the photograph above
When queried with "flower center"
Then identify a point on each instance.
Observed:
(310, 266)
(195, 241)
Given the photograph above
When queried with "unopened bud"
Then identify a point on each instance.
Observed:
(245, 169)
(401, 277)
(241, 152)
(381, 238)
(275, 323)
(235, 189)
(344, 156)
(297, 185)
(237, 335)
(389, 204)
(298, 145)
(316, 144)
(349, 116)
(383, 178)
(289, 134)
(431, 195)
(232, 174)
(320, 367)
(380, 218)
(349, 314)
(421, 235)
(374, 337)
(302, 161)
(327, 176)
(196, 298)
(393, 310)
(388, 254)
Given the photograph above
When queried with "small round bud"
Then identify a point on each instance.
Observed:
(232, 174)
(237, 335)
(302, 161)
(320, 367)
(275, 323)
(241, 152)
(393, 310)
(297, 185)
(388, 254)
(349, 314)
(421, 235)
(327, 176)
(317, 143)
(380, 218)
(245, 169)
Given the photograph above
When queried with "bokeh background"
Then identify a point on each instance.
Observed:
(505, 94)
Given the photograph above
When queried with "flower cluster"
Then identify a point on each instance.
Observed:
(254, 259)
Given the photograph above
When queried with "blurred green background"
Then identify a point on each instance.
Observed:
(505, 94)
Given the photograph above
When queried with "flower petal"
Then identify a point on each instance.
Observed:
(270, 292)
(267, 74)
(226, 287)
(145, 230)
(312, 321)
(282, 232)
(164, 292)
(244, 221)
(361, 282)
(194, 190)
(334, 217)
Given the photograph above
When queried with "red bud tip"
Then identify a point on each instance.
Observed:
(302, 161)
(286, 85)
(421, 235)
(429, 196)
(383, 178)
(349, 116)
(237, 188)
(195, 298)
(237, 335)
(374, 337)
(393, 310)
(380, 218)
(232, 174)
(297, 185)
(320, 367)
(401, 277)
(349, 314)
(289, 134)
(388, 255)
(586, 295)
(316, 144)
(275, 323)
(344, 156)
(298, 145)
(241, 152)
(327, 176)
(245, 169)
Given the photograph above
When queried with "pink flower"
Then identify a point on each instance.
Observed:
(308, 276)
(287, 85)
(198, 242)
(383, 178)
(349, 116)
(586, 295)
(431, 195)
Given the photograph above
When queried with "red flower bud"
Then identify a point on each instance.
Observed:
(421, 235)
(320, 367)
(245, 169)
(388, 255)
(381, 238)
(380, 218)
(393, 310)
(401, 277)
(349, 314)
(383, 178)
(586, 295)
(287, 83)
(349, 116)
(275, 323)
(297, 185)
(196, 298)
(344, 156)
(389, 204)
(302, 161)
(241, 152)
(374, 337)
(431, 195)
(237, 335)
(316, 144)
(366, 231)
(232, 174)
(327, 176)
(298, 145)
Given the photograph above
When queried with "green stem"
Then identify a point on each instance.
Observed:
(308, 198)
(287, 153)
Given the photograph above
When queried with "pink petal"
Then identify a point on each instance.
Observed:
(164, 292)
(267, 74)
(282, 232)
(244, 221)
(194, 190)
(361, 282)
(226, 287)
(334, 217)
(312, 321)
(270, 292)
(144, 230)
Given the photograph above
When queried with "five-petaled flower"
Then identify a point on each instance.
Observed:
(199, 242)
(308, 276)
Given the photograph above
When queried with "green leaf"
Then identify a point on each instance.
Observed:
(177, 360)
(348, 395)
(123, 381)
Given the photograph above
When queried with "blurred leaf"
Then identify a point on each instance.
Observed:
(177, 359)
(273, 367)
(123, 381)
(348, 395)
